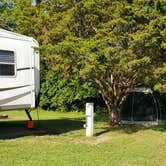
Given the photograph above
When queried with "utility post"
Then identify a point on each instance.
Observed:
(89, 119)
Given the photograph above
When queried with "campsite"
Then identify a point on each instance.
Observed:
(61, 140)
(82, 82)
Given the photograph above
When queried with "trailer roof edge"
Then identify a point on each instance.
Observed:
(12, 35)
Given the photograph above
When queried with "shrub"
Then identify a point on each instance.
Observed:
(64, 94)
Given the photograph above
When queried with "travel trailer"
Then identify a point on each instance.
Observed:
(19, 71)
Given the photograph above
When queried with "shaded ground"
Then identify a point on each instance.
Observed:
(15, 129)
(130, 129)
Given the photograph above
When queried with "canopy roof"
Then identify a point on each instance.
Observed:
(142, 89)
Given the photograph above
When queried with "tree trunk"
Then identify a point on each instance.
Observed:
(113, 93)
(113, 117)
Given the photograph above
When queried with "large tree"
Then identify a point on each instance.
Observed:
(116, 44)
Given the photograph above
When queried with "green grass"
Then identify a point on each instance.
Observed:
(59, 140)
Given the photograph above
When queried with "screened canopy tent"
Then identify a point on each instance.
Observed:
(140, 106)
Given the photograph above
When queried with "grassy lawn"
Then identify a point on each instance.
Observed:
(59, 140)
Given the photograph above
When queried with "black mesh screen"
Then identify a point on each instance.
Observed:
(144, 107)
(139, 107)
(126, 111)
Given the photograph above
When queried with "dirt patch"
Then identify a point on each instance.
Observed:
(102, 139)
(94, 140)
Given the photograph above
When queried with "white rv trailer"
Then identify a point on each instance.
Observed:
(19, 71)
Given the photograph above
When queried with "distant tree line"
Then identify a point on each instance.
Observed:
(94, 48)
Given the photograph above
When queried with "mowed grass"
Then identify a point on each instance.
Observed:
(59, 140)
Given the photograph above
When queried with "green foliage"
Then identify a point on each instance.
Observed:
(160, 74)
(7, 21)
(63, 94)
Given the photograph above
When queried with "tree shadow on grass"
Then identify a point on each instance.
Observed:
(16, 129)
(131, 129)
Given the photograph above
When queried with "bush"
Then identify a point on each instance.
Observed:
(65, 94)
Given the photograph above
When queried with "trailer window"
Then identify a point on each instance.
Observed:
(7, 63)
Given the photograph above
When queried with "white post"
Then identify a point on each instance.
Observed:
(89, 119)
